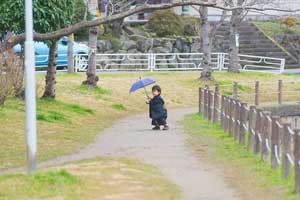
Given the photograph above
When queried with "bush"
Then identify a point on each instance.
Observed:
(191, 26)
(289, 21)
(166, 23)
(11, 74)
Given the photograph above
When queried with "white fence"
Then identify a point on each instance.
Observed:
(166, 62)
(176, 62)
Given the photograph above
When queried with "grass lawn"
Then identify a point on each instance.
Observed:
(116, 179)
(272, 28)
(77, 115)
(248, 173)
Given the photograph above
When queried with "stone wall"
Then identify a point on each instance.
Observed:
(142, 44)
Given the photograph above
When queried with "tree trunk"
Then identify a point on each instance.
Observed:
(92, 79)
(206, 73)
(116, 26)
(235, 21)
(51, 72)
(70, 54)
(234, 60)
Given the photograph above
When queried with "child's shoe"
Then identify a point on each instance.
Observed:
(166, 127)
(155, 128)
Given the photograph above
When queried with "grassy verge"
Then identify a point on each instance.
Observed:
(247, 171)
(116, 179)
(78, 114)
(272, 28)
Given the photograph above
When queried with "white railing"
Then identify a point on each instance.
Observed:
(176, 62)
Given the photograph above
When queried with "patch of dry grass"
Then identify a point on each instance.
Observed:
(107, 179)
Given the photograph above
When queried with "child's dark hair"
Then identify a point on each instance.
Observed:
(157, 88)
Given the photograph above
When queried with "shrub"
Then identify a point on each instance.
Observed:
(11, 74)
(165, 23)
(289, 21)
(191, 26)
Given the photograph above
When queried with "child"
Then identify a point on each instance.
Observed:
(157, 110)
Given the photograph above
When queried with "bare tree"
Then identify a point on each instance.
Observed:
(208, 33)
(237, 16)
(92, 78)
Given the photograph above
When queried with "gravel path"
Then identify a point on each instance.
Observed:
(132, 137)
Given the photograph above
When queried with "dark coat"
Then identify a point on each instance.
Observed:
(157, 108)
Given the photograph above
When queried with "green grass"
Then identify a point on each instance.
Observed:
(272, 28)
(224, 148)
(119, 107)
(91, 179)
(78, 114)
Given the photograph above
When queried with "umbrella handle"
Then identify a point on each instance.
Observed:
(146, 93)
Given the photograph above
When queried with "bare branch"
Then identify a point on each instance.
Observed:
(146, 7)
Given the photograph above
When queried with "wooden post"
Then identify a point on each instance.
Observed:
(280, 92)
(297, 160)
(287, 150)
(205, 102)
(257, 93)
(200, 100)
(226, 118)
(266, 133)
(243, 122)
(231, 114)
(235, 90)
(237, 120)
(258, 137)
(210, 105)
(222, 111)
(251, 127)
(216, 104)
(275, 137)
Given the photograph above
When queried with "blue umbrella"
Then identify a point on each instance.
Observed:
(142, 83)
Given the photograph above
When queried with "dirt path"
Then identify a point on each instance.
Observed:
(132, 137)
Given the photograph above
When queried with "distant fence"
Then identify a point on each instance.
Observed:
(176, 62)
(264, 134)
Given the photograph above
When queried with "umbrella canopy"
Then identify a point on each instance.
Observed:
(142, 83)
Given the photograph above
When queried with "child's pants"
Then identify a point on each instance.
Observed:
(159, 122)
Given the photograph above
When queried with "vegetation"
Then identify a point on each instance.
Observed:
(251, 174)
(166, 23)
(81, 11)
(272, 28)
(78, 114)
(93, 179)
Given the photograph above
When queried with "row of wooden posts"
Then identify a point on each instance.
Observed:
(263, 133)
(257, 92)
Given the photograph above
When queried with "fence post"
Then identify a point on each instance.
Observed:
(216, 104)
(251, 126)
(237, 120)
(280, 92)
(286, 151)
(235, 90)
(205, 101)
(231, 116)
(258, 124)
(222, 111)
(275, 137)
(226, 117)
(200, 100)
(243, 122)
(210, 103)
(257, 93)
(297, 160)
(266, 132)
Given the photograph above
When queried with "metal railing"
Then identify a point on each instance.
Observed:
(176, 62)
